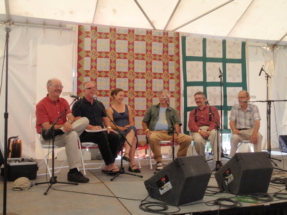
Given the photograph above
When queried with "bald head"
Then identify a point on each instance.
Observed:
(244, 92)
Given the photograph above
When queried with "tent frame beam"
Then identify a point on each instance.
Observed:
(144, 13)
(7, 8)
(202, 15)
(95, 11)
(239, 18)
(170, 17)
(9, 22)
(12, 24)
(276, 44)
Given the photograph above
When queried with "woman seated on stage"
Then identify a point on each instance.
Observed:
(123, 117)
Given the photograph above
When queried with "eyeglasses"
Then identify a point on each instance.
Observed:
(89, 88)
(57, 86)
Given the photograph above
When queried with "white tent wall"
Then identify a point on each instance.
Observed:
(279, 92)
(35, 55)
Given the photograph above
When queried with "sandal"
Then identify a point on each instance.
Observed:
(159, 166)
(126, 158)
(136, 170)
(110, 172)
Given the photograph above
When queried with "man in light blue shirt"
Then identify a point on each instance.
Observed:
(245, 123)
(162, 122)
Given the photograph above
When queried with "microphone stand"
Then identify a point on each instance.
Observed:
(218, 163)
(269, 129)
(53, 179)
(6, 116)
(268, 115)
(268, 110)
(173, 131)
(122, 170)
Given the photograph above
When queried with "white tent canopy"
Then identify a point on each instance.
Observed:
(258, 20)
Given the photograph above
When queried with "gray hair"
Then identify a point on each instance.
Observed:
(199, 93)
(167, 93)
(49, 82)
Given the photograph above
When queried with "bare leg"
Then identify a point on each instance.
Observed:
(130, 138)
(132, 153)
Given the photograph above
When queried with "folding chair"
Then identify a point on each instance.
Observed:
(46, 155)
(86, 146)
(140, 147)
(162, 143)
(244, 142)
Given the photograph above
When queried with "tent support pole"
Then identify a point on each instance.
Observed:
(202, 15)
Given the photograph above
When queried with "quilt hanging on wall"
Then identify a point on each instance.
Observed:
(141, 62)
(202, 62)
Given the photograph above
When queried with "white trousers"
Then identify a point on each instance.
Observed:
(70, 141)
(200, 142)
(244, 135)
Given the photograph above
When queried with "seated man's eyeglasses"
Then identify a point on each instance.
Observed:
(89, 88)
(57, 86)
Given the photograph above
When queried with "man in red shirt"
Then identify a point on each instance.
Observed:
(66, 129)
(203, 124)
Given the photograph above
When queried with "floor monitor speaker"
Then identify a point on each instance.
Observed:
(245, 173)
(180, 182)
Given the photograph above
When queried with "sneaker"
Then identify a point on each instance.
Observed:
(159, 166)
(77, 177)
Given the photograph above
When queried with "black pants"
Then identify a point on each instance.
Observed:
(108, 144)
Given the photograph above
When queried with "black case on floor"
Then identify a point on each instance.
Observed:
(283, 143)
(21, 167)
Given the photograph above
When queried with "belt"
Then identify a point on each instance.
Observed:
(241, 129)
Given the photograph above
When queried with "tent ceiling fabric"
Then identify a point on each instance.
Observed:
(261, 20)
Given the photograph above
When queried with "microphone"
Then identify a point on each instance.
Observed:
(95, 98)
(206, 102)
(220, 73)
(74, 96)
(261, 70)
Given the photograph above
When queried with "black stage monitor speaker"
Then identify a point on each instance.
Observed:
(245, 173)
(283, 143)
(182, 181)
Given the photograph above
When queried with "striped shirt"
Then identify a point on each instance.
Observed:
(244, 119)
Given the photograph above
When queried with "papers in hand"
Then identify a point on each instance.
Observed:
(93, 131)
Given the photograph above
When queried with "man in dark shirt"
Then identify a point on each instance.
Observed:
(108, 141)
(203, 124)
